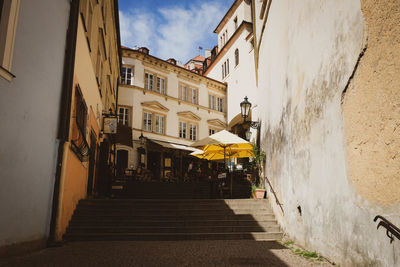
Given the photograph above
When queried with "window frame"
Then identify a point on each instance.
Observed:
(236, 57)
(182, 130)
(154, 82)
(8, 22)
(211, 101)
(188, 93)
(126, 118)
(153, 122)
(186, 132)
(158, 116)
(124, 78)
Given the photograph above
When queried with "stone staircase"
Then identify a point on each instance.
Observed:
(172, 219)
(188, 190)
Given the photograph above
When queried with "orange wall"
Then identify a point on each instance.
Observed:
(74, 187)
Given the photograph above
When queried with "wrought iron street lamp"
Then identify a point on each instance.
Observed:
(142, 139)
(245, 110)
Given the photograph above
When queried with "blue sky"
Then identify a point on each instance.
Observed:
(171, 28)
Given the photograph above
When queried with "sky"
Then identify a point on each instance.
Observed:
(171, 28)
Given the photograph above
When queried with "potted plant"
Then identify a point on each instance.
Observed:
(259, 187)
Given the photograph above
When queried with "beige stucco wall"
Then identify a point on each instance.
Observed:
(371, 108)
(134, 95)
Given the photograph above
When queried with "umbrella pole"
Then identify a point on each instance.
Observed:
(232, 171)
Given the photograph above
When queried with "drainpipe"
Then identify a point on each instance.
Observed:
(116, 15)
(65, 113)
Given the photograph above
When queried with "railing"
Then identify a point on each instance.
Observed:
(273, 192)
(391, 229)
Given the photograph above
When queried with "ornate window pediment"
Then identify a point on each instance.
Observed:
(188, 115)
(217, 123)
(155, 106)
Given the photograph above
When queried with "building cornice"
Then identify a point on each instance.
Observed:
(166, 66)
(230, 42)
(227, 16)
(167, 97)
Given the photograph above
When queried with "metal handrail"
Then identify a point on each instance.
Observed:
(391, 229)
(276, 197)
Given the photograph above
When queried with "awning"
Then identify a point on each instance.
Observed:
(175, 146)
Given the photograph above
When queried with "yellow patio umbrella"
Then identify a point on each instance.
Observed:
(222, 145)
(219, 154)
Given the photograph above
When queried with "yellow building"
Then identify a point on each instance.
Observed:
(88, 157)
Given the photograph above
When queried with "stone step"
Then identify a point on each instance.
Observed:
(171, 223)
(260, 236)
(208, 201)
(176, 212)
(173, 205)
(171, 229)
(133, 217)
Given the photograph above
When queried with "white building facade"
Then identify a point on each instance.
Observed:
(234, 64)
(170, 106)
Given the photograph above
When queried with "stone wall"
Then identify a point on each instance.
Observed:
(326, 86)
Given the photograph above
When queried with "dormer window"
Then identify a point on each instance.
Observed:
(235, 21)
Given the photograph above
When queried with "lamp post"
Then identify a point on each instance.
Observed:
(141, 149)
(245, 107)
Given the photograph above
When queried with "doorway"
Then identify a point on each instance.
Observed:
(154, 163)
(92, 161)
(122, 161)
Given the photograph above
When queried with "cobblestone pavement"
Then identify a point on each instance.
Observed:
(166, 253)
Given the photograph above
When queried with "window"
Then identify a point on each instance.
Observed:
(147, 121)
(188, 94)
(154, 82)
(183, 92)
(225, 68)
(216, 103)
(89, 19)
(193, 132)
(8, 25)
(220, 102)
(211, 101)
(157, 126)
(149, 81)
(126, 76)
(193, 92)
(161, 85)
(78, 137)
(211, 131)
(235, 21)
(182, 130)
(160, 124)
(124, 115)
(236, 57)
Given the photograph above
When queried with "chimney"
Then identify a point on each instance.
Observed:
(172, 61)
(144, 50)
(207, 53)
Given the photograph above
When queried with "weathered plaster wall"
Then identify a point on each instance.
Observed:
(371, 108)
(29, 110)
(307, 56)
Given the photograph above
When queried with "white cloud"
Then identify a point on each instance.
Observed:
(180, 34)
(136, 28)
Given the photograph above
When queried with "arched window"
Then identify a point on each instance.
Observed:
(236, 57)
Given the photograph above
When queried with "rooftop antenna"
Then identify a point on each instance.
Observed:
(200, 48)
